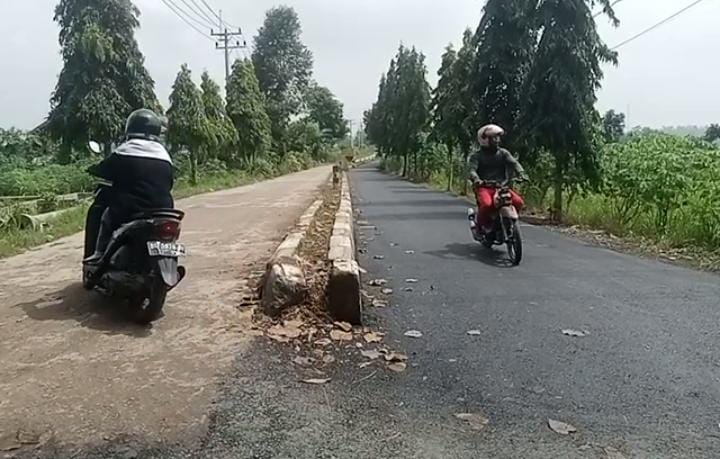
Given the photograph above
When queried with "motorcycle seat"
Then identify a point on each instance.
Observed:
(159, 213)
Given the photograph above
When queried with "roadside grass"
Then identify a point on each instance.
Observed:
(14, 240)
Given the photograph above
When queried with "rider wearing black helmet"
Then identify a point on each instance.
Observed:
(141, 173)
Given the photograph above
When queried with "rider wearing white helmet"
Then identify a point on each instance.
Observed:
(489, 164)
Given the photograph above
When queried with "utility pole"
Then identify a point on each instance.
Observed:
(226, 45)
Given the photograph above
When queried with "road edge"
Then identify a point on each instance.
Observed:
(343, 288)
(284, 284)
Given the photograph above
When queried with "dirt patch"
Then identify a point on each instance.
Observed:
(73, 371)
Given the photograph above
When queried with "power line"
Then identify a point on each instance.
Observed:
(179, 13)
(611, 5)
(217, 16)
(205, 19)
(664, 21)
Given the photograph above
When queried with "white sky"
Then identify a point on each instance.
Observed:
(668, 77)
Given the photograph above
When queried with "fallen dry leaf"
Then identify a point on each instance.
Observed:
(366, 364)
(397, 367)
(316, 381)
(396, 357)
(612, 453)
(344, 326)
(339, 335)
(475, 421)
(379, 304)
(377, 282)
(411, 281)
(574, 333)
(373, 337)
(561, 427)
(323, 342)
(409, 252)
(303, 361)
(474, 332)
(284, 331)
(328, 359)
(387, 291)
(413, 334)
(408, 289)
(379, 257)
(371, 354)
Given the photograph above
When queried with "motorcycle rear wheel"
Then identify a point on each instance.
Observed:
(514, 244)
(147, 309)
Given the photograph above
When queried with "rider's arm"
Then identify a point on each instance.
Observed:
(472, 168)
(515, 165)
(106, 169)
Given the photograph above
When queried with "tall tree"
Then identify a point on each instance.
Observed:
(246, 108)
(103, 77)
(188, 127)
(613, 126)
(464, 71)
(284, 68)
(446, 109)
(712, 133)
(325, 110)
(505, 41)
(560, 93)
(221, 130)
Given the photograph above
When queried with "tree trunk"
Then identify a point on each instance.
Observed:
(405, 165)
(193, 169)
(450, 168)
(557, 212)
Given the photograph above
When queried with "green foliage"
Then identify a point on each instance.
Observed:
(305, 136)
(325, 110)
(221, 129)
(50, 179)
(560, 91)
(613, 126)
(712, 133)
(398, 120)
(103, 78)
(188, 126)
(246, 108)
(505, 44)
(284, 66)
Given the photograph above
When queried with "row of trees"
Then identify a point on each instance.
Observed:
(532, 66)
(272, 105)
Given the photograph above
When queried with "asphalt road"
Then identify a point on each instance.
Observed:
(643, 383)
(645, 380)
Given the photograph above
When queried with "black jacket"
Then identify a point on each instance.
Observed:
(141, 173)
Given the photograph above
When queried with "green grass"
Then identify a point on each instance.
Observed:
(14, 240)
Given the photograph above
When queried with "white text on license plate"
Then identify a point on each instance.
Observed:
(165, 249)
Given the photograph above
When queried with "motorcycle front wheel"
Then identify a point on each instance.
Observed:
(149, 308)
(514, 243)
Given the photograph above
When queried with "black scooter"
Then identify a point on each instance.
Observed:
(140, 264)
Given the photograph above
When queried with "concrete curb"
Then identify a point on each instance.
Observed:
(284, 284)
(343, 289)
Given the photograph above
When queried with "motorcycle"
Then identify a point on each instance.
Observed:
(140, 264)
(504, 228)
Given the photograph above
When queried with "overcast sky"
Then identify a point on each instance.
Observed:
(668, 77)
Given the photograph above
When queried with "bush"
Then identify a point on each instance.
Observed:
(52, 179)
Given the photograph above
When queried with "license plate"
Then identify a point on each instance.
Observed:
(165, 249)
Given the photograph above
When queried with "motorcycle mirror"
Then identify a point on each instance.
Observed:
(94, 147)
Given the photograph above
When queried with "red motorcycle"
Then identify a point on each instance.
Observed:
(504, 229)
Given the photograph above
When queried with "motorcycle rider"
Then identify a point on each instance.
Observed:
(141, 173)
(492, 164)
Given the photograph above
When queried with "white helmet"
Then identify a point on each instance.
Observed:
(487, 132)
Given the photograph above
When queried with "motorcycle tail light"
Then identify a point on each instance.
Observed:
(168, 230)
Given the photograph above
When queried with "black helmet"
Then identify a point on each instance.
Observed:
(143, 124)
